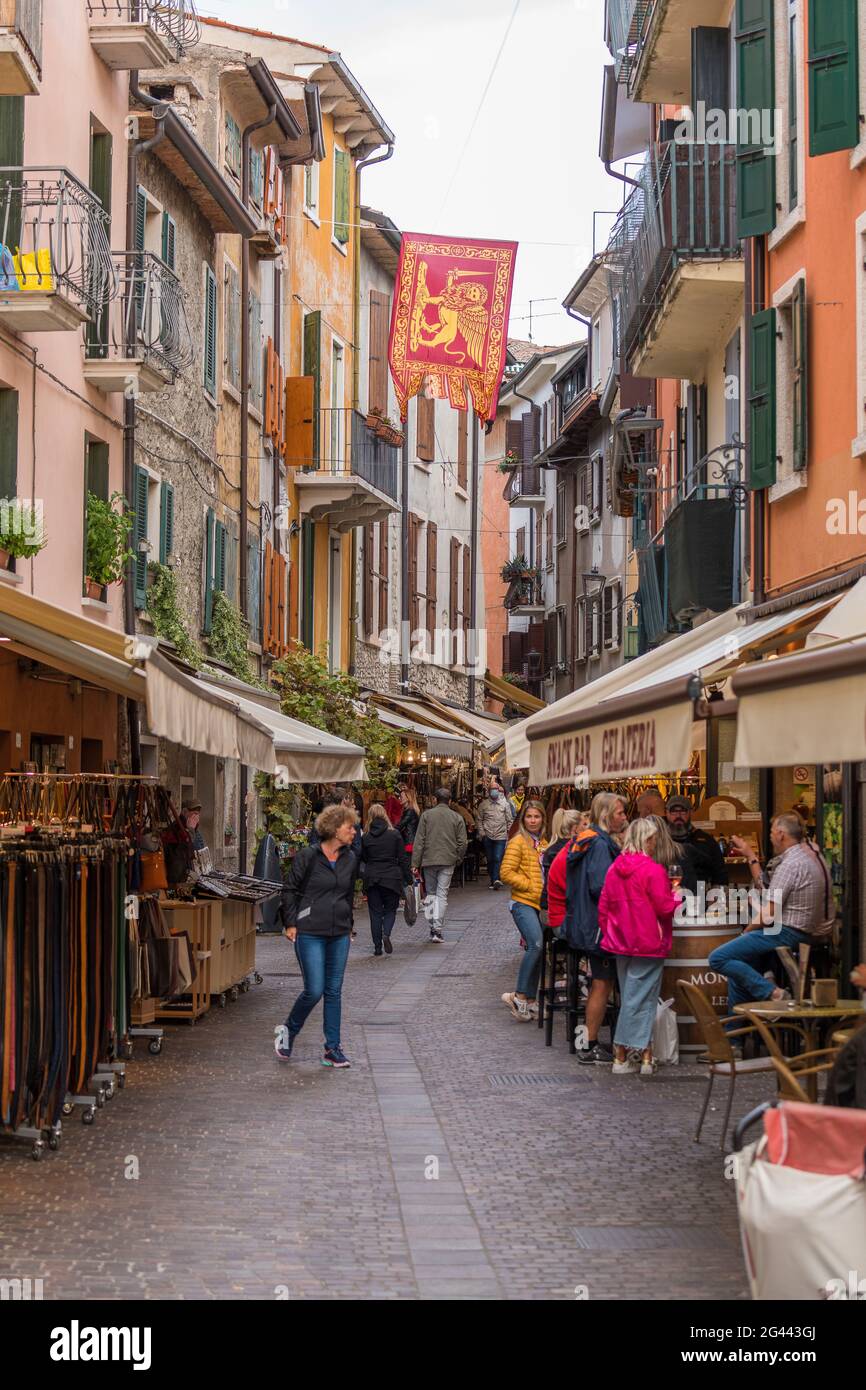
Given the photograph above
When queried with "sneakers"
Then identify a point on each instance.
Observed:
(283, 1042)
(388, 947)
(630, 1064)
(377, 950)
(597, 1055)
(519, 1008)
(499, 883)
(335, 1057)
(533, 1007)
(436, 935)
(648, 1068)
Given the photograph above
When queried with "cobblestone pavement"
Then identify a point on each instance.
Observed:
(259, 1180)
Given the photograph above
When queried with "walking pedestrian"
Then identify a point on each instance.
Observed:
(386, 872)
(517, 797)
(411, 814)
(316, 911)
(440, 845)
(493, 819)
(636, 914)
(521, 870)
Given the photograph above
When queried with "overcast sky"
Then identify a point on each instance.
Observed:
(530, 172)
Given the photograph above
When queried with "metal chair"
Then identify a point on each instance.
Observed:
(719, 1054)
(788, 1069)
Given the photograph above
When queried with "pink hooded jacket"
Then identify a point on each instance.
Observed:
(636, 908)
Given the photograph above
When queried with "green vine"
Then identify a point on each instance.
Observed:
(228, 639)
(287, 811)
(163, 605)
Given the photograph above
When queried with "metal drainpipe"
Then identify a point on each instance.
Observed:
(623, 178)
(473, 552)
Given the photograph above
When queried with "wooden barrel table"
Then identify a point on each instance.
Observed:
(692, 944)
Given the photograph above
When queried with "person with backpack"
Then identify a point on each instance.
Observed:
(578, 874)
(386, 872)
(521, 870)
(316, 912)
(636, 914)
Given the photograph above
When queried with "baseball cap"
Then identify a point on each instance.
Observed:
(678, 803)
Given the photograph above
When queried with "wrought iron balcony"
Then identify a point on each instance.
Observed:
(129, 34)
(674, 258)
(56, 269)
(524, 487)
(141, 340)
(20, 47)
(349, 473)
(524, 598)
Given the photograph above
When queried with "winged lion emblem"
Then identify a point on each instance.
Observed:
(459, 309)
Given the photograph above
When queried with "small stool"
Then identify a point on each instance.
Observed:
(547, 1001)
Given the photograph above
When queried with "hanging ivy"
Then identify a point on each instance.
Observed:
(228, 639)
(164, 608)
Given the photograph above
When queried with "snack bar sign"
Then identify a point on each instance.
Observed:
(656, 741)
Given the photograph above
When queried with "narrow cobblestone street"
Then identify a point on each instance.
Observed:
(259, 1180)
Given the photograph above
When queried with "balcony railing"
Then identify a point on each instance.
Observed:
(174, 22)
(374, 459)
(523, 484)
(524, 593)
(23, 18)
(344, 447)
(630, 22)
(146, 322)
(683, 210)
(56, 229)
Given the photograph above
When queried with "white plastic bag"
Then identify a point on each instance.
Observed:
(666, 1034)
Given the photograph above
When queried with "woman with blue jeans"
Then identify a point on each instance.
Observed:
(316, 911)
(521, 870)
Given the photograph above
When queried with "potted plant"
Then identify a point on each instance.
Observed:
(388, 431)
(518, 568)
(509, 463)
(21, 534)
(107, 551)
(374, 416)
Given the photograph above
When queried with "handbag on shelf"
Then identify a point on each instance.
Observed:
(153, 872)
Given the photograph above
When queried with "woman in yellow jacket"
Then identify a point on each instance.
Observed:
(521, 870)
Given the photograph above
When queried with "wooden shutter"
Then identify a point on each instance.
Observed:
(462, 447)
(11, 156)
(799, 317)
(256, 350)
(219, 568)
(430, 589)
(384, 566)
(257, 178)
(267, 599)
(414, 596)
(341, 196)
(254, 586)
(834, 77)
(369, 568)
(280, 583)
(468, 636)
(140, 217)
(166, 522)
(313, 368)
(8, 445)
(550, 625)
(233, 146)
(762, 399)
(548, 538)
(756, 91)
(139, 535)
(425, 434)
(378, 351)
(520, 543)
(514, 437)
(169, 240)
(210, 308)
(232, 326)
(453, 597)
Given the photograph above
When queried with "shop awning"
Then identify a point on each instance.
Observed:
(177, 708)
(303, 753)
(619, 726)
(512, 694)
(437, 742)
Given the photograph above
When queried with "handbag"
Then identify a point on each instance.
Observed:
(153, 874)
(411, 904)
(666, 1034)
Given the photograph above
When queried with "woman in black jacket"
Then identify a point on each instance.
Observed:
(386, 871)
(408, 822)
(316, 911)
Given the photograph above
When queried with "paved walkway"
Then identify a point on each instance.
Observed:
(458, 1157)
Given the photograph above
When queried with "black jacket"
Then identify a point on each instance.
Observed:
(384, 861)
(702, 861)
(546, 860)
(408, 825)
(846, 1084)
(317, 897)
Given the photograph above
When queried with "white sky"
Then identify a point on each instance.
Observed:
(531, 172)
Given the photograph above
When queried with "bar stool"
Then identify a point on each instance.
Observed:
(548, 1004)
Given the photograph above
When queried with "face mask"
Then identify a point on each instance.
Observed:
(494, 796)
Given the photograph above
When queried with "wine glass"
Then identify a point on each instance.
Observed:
(675, 874)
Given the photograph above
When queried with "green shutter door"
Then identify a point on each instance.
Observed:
(801, 375)
(219, 569)
(341, 196)
(166, 523)
(140, 217)
(208, 569)
(308, 559)
(12, 156)
(100, 183)
(762, 400)
(169, 237)
(313, 368)
(8, 445)
(834, 80)
(210, 296)
(139, 536)
(756, 92)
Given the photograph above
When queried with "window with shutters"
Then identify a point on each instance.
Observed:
(312, 357)
(790, 303)
(612, 610)
(311, 191)
(415, 597)
(169, 241)
(470, 655)
(11, 156)
(254, 586)
(341, 197)
(790, 85)
(548, 541)
(232, 144)
(756, 93)
(454, 613)
(580, 646)
(425, 433)
(369, 581)
(380, 314)
(152, 535)
(209, 335)
(8, 445)
(561, 513)
(257, 349)
(520, 543)
(596, 479)
(462, 448)
(858, 443)
(583, 516)
(257, 178)
(166, 523)
(431, 583)
(593, 626)
(834, 81)
(232, 328)
(561, 639)
(382, 576)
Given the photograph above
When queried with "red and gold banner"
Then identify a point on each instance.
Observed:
(449, 323)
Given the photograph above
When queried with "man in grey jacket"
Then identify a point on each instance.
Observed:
(494, 818)
(439, 846)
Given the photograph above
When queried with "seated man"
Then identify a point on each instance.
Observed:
(798, 889)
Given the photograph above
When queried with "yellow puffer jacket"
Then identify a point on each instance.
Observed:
(521, 870)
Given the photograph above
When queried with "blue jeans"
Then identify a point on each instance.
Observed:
(382, 903)
(737, 960)
(640, 980)
(494, 851)
(323, 964)
(528, 923)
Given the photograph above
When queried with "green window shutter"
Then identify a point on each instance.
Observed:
(8, 445)
(208, 568)
(233, 145)
(254, 566)
(140, 217)
(834, 77)
(801, 375)
(169, 239)
(313, 368)
(232, 327)
(219, 569)
(12, 155)
(139, 536)
(210, 327)
(756, 92)
(762, 399)
(256, 350)
(341, 196)
(308, 561)
(257, 177)
(100, 167)
(166, 522)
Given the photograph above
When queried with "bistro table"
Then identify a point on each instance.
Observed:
(808, 1016)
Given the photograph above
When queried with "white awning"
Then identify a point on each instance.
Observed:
(806, 708)
(436, 741)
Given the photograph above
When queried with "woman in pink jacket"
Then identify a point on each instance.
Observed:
(636, 913)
